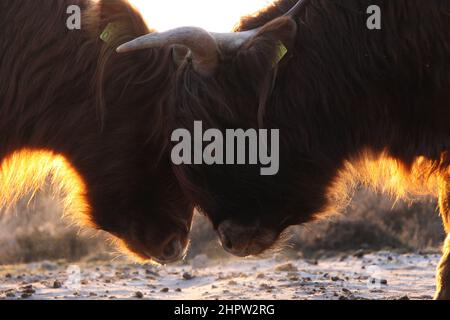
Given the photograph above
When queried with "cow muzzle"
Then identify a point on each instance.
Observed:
(243, 241)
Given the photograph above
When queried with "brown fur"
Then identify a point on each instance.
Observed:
(67, 100)
(443, 274)
(444, 201)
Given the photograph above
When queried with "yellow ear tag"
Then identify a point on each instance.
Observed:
(110, 32)
(281, 53)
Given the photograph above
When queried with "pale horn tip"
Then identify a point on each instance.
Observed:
(123, 48)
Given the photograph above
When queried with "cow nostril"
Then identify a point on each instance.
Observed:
(172, 249)
(225, 240)
(226, 243)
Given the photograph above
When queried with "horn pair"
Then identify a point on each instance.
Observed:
(204, 46)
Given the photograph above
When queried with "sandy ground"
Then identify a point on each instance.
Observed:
(381, 275)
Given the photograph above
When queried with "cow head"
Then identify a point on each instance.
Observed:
(220, 191)
(154, 224)
(224, 80)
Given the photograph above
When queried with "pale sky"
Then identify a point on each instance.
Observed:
(213, 15)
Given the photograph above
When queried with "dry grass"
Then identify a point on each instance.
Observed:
(34, 231)
(373, 222)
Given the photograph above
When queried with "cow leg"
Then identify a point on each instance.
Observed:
(443, 272)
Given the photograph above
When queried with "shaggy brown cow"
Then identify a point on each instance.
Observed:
(352, 104)
(71, 108)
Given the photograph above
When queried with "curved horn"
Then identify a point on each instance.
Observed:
(205, 52)
(232, 41)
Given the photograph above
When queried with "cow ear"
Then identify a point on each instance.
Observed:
(271, 43)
